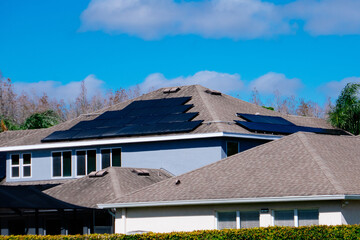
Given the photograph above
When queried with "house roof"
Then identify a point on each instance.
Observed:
(218, 113)
(29, 197)
(116, 182)
(301, 164)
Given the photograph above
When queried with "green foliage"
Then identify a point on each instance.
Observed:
(270, 233)
(270, 108)
(41, 120)
(346, 113)
(8, 124)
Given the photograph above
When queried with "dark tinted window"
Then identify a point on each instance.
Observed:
(105, 158)
(80, 162)
(66, 164)
(232, 148)
(116, 157)
(91, 161)
(56, 164)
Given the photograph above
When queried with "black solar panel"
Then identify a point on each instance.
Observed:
(264, 119)
(285, 129)
(138, 118)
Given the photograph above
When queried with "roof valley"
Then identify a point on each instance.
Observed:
(321, 163)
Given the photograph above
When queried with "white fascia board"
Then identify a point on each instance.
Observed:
(230, 201)
(135, 140)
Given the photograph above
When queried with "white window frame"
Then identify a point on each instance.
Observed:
(296, 215)
(111, 150)
(61, 164)
(86, 160)
(11, 166)
(238, 217)
(26, 165)
(226, 147)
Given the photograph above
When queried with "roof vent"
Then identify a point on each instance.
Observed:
(212, 92)
(177, 182)
(100, 173)
(171, 90)
(141, 172)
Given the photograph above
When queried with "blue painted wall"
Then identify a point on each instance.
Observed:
(176, 157)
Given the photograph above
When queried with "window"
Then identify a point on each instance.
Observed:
(62, 164)
(226, 220)
(110, 157)
(284, 218)
(232, 148)
(86, 162)
(308, 217)
(26, 165)
(15, 165)
(236, 219)
(249, 219)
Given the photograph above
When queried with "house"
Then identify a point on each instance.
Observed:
(69, 207)
(301, 179)
(175, 130)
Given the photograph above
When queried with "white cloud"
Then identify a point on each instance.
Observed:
(236, 19)
(271, 82)
(333, 89)
(327, 17)
(58, 90)
(152, 19)
(223, 82)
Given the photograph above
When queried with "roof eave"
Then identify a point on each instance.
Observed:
(230, 201)
(97, 142)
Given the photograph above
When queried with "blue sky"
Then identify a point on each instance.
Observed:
(307, 48)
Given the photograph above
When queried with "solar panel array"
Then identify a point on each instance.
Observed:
(279, 125)
(143, 117)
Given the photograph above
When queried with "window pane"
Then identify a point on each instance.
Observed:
(308, 217)
(56, 164)
(284, 218)
(80, 163)
(91, 161)
(232, 148)
(27, 158)
(226, 220)
(15, 171)
(249, 219)
(66, 164)
(15, 159)
(27, 171)
(105, 158)
(116, 157)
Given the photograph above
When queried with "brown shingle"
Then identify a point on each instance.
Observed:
(217, 112)
(89, 191)
(302, 164)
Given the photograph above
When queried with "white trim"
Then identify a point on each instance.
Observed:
(89, 143)
(230, 201)
(296, 218)
(238, 220)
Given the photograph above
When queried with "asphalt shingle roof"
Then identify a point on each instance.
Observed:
(217, 111)
(89, 191)
(301, 164)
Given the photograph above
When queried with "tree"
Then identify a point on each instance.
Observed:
(346, 113)
(41, 120)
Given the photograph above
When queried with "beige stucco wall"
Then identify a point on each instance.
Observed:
(203, 217)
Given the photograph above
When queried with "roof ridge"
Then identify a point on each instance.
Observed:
(320, 162)
(115, 183)
(208, 106)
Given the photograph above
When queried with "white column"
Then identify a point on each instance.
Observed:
(296, 218)
(238, 224)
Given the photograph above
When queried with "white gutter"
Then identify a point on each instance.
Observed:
(135, 140)
(230, 201)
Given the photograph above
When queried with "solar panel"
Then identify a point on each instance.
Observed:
(138, 118)
(285, 129)
(264, 119)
